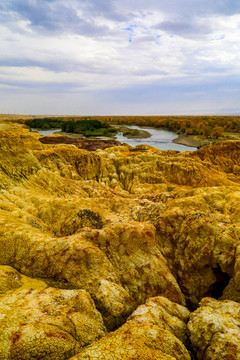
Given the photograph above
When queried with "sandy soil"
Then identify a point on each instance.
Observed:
(200, 141)
(195, 140)
(188, 141)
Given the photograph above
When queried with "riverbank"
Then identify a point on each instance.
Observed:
(200, 141)
(191, 140)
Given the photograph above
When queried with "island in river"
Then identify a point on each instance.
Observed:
(157, 138)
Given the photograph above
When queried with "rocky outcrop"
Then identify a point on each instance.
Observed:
(133, 252)
(232, 290)
(69, 262)
(17, 168)
(141, 170)
(47, 323)
(132, 234)
(214, 330)
(71, 162)
(120, 265)
(81, 143)
(224, 155)
(166, 314)
(151, 332)
(196, 235)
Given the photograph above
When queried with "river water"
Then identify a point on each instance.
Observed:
(160, 139)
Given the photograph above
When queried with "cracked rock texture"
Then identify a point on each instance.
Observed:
(107, 254)
(215, 330)
(152, 332)
(48, 323)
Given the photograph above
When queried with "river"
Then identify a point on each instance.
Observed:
(160, 139)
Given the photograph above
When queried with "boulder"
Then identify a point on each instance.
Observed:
(47, 323)
(151, 332)
(215, 330)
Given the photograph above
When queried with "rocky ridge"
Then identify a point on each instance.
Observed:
(118, 253)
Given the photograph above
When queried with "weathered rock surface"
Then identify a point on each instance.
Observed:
(140, 266)
(141, 169)
(69, 262)
(47, 323)
(151, 332)
(81, 143)
(119, 265)
(232, 291)
(166, 314)
(215, 330)
(136, 232)
(10, 279)
(197, 237)
(224, 155)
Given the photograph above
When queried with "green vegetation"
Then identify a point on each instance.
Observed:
(171, 188)
(86, 127)
(44, 123)
(129, 132)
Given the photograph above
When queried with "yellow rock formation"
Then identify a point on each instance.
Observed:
(47, 323)
(214, 330)
(89, 239)
(151, 332)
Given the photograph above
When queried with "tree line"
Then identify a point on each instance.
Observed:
(209, 126)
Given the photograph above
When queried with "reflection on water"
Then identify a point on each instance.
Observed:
(46, 132)
(160, 139)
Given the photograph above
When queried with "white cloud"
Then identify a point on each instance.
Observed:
(101, 45)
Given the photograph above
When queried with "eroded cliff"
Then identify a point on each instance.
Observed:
(112, 249)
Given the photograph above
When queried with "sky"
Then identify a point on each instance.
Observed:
(128, 57)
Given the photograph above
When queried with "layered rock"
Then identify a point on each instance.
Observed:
(140, 167)
(197, 237)
(224, 155)
(17, 168)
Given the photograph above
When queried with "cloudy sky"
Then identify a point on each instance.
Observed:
(102, 57)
